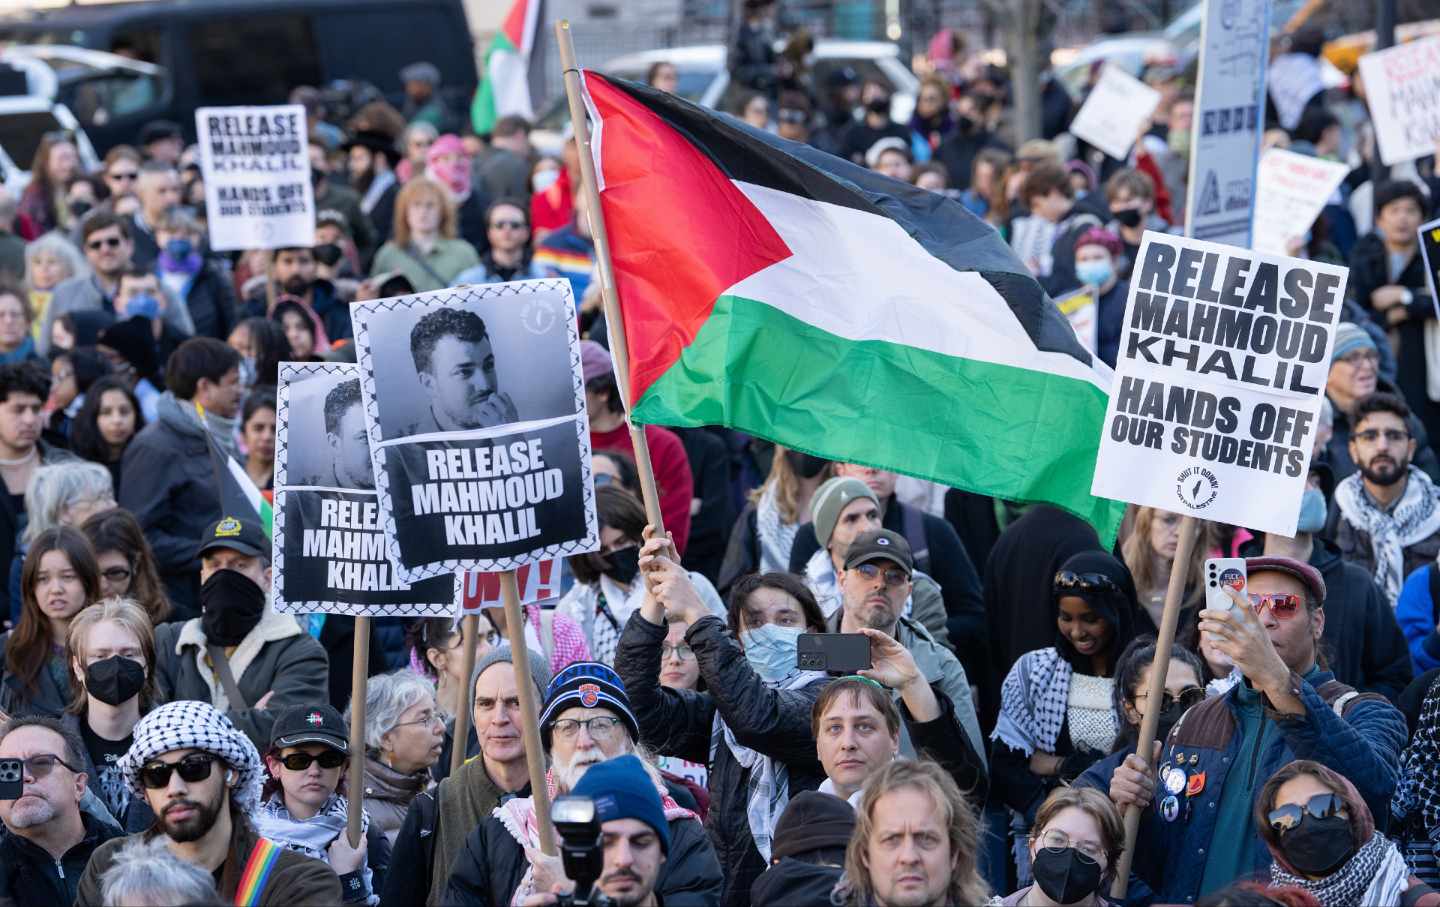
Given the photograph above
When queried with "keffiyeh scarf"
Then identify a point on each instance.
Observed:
(1033, 701)
(1414, 517)
(1377, 874)
(1417, 796)
(312, 837)
(768, 789)
(192, 724)
(776, 536)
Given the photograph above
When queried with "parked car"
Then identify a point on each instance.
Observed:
(704, 79)
(111, 95)
(256, 51)
(24, 121)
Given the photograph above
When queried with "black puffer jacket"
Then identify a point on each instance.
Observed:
(679, 723)
(492, 864)
(212, 302)
(30, 876)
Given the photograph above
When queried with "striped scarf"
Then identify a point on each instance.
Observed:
(1375, 877)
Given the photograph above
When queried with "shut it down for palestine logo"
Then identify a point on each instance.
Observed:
(1197, 487)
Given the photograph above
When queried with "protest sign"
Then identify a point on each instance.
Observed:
(537, 582)
(1229, 120)
(476, 412)
(1430, 256)
(1222, 364)
(329, 551)
(256, 166)
(1402, 87)
(1080, 307)
(1111, 117)
(1293, 188)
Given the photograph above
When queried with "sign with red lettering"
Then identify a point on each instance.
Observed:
(537, 582)
(1402, 87)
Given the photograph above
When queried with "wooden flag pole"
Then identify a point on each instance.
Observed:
(619, 348)
(469, 630)
(529, 709)
(1174, 592)
(359, 673)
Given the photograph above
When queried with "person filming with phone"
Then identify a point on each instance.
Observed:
(1198, 830)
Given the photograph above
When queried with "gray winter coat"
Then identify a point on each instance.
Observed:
(82, 293)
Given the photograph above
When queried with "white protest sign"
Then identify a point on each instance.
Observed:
(536, 582)
(256, 166)
(1229, 120)
(1402, 87)
(1080, 308)
(1293, 188)
(1111, 117)
(1218, 382)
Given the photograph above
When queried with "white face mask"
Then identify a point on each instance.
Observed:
(543, 179)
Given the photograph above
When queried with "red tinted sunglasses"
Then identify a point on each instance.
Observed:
(1284, 605)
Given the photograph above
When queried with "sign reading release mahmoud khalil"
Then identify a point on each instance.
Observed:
(475, 406)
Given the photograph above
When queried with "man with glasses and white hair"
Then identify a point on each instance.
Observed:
(48, 839)
(201, 778)
(586, 720)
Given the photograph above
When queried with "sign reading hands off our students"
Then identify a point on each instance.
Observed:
(1217, 387)
(256, 166)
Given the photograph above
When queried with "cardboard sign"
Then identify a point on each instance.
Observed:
(1218, 382)
(1229, 120)
(1111, 117)
(1402, 87)
(329, 552)
(1293, 190)
(537, 582)
(256, 166)
(1430, 255)
(1081, 308)
(475, 407)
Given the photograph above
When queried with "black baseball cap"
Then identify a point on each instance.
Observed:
(880, 544)
(244, 536)
(310, 724)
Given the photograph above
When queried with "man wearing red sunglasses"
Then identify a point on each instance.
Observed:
(1198, 831)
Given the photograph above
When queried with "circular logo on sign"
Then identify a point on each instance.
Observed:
(538, 315)
(1197, 487)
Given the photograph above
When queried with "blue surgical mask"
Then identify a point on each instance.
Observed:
(142, 304)
(179, 249)
(771, 650)
(1312, 511)
(1094, 272)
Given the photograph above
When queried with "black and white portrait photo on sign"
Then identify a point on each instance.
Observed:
(480, 445)
(330, 553)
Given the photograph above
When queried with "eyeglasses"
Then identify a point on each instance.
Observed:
(299, 762)
(1360, 357)
(427, 718)
(601, 727)
(1055, 839)
(1067, 580)
(194, 767)
(116, 574)
(38, 767)
(508, 225)
(1321, 806)
(793, 117)
(1371, 435)
(110, 242)
(1187, 697)
(1284, 605)
(123, 176)
(680, 651)
(893, 576)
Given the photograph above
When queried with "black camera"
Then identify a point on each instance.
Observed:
(12, 778)
(580, 849)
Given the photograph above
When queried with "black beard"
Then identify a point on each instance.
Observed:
(196, 828)
(1385, 479)
(296, 286)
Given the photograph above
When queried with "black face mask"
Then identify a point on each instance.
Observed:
(1066, 875)
(879, 105)
(1128, 217)
(1318, 847)
(115, 679)
(231, 605)
(79, 208)
(623, 564)
(804, 465)
(1168, 719)
(965, 123)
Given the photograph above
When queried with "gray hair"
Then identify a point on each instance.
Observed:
(387, 696)
(54, 488)
(421, 126)
(55, 246)
(146, 874)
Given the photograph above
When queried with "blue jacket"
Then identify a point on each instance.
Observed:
(1364, 746)
(1415, 612)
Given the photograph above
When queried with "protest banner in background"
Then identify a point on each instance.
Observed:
(1218, 382)
(476, 412)
(536, 582)
(1229, 120)
(1111, 117)
(1402, 87)
(329, 551)
(1430, 256)
(256, 166)
(1293, 188)
(1080, 307)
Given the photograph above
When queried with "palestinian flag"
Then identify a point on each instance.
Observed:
(787, 293)
(505, 80)
(239, 498)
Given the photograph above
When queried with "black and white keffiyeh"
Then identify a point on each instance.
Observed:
(1415, 517)
(1377, 874)
(776, 536)
(1417, 795)
(1033, 700)
(191, 724)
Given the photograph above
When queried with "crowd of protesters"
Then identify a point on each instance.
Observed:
(176, 733)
